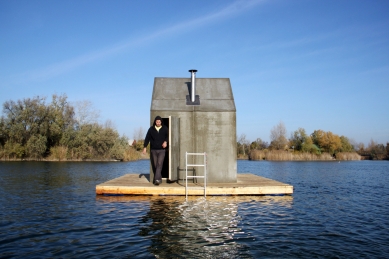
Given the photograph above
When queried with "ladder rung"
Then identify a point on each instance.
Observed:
(195, 176)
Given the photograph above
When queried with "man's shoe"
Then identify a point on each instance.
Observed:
(157, 182)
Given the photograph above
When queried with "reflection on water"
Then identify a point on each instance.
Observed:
(338, 210)
(199, 227)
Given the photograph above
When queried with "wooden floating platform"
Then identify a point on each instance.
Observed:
(139, 184)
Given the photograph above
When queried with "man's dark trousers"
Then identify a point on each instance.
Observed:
(158, 156)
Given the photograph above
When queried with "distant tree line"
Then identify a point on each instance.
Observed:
(319, 145)
(374, 151)
(34, 129)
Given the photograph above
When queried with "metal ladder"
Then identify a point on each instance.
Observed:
(195, 176)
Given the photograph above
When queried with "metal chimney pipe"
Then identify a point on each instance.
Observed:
(193, 84)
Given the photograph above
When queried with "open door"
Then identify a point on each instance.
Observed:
(172, 157)
(174, 147)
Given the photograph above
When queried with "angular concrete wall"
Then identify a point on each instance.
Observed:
(209, 127)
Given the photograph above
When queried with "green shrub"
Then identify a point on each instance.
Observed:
(13, 150)
(36, 146)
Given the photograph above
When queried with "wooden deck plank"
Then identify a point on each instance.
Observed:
(247, 184)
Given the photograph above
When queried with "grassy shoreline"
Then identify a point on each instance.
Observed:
(135, 156)
(255, 155)
(279, 155)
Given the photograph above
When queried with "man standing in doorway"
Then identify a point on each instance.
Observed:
(157, 135)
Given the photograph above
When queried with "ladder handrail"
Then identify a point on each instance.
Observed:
(192, 176)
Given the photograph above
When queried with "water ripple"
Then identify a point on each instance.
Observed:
(337, 211)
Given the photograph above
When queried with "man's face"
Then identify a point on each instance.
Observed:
(158, 123)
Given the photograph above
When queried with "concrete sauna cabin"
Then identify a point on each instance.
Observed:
(201, 117)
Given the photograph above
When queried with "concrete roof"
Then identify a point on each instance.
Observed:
(170, 94)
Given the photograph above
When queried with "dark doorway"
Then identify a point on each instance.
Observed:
(166, 165)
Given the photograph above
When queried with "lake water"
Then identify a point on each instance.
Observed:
(338, 210)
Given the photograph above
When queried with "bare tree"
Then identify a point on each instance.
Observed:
(357, 146)
(109, 124)
(139, 134)
(372, 144)
(278, 136)
(86, 113)
(244, 142)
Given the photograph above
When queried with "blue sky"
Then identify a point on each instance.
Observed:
(310, 64)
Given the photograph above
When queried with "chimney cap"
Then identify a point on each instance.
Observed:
(193, 70)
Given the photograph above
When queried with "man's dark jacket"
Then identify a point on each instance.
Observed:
(156, 138)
